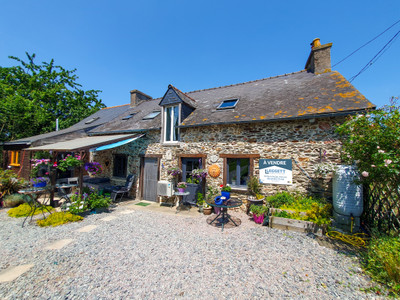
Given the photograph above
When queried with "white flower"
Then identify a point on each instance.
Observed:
(388, 161)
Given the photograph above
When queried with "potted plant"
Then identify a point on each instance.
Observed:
(93, 168)
(174, 172)
(181, 187)
(98, 203)
(199, 174)
(200, 201)
(254, 188)
(211, 193)
(39, 181)
(225, 191)
(258, 213)
(68, 161)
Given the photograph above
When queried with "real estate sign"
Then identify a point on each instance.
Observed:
(276, 171)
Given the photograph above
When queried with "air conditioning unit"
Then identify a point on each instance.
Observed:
(165, 188)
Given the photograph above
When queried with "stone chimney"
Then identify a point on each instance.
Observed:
(137, 97)
(319, 60)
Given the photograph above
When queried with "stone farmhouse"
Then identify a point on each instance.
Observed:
(232, 128)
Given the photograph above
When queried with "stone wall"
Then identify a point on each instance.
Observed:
(303, 141)
(306, 142)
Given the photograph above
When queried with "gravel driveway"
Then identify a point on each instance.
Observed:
(153, 255)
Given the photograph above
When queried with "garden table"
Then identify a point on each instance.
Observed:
(223, 217)
(63, 187)
(33, 200)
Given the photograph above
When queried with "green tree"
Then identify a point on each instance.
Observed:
(33, 96)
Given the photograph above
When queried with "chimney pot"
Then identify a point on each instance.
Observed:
(319, 60)
(315, 43)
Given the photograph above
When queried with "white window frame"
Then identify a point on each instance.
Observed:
(172, 128)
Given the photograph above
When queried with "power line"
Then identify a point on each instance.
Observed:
(366, 44)
(376, 57)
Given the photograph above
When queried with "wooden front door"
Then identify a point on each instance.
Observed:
(150, 178)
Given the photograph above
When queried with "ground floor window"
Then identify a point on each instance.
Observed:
(15, 158)
(188, 165)
(120, 165)
(238, 171)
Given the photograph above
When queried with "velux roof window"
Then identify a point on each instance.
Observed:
(226, 104)
(129, 116)
(152, 115)
(92, 120)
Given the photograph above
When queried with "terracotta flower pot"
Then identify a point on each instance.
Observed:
(207, 210)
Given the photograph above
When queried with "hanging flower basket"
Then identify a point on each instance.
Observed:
(93, 168)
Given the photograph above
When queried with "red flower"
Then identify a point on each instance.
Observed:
(221, 186)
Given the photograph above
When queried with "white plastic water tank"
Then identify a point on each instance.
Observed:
(347, 196)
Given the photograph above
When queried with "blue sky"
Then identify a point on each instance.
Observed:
(117, 46)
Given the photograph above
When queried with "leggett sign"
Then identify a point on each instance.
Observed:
(276, 171)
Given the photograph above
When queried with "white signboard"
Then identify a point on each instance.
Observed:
(276, 171)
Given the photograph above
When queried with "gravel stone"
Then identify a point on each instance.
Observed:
(152, 255)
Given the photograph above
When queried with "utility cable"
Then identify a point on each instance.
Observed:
(366, 44)
(376, 57)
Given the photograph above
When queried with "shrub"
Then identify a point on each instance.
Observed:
(200, 199)
(372, 141)
(13, 200)
(10, 183)
(382, 260)
(24, 210)
(59, 218)
(280, 199)
(98, 201)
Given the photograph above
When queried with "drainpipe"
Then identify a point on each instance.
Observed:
(57, 124)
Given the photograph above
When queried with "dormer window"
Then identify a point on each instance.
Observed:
(227, 104)
(171, 123)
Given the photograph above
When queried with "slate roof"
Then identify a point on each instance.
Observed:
(79, 129)
(136, 122)
(289, 96)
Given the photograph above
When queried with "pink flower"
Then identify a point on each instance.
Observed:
(377, 147)
(373, 166)
(381, 151)
(55, 164)
(388, 162)
(365, 173)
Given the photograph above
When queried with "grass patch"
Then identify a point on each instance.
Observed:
(143, 204)
(25, 210)
(382, 261)
(59, 218)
